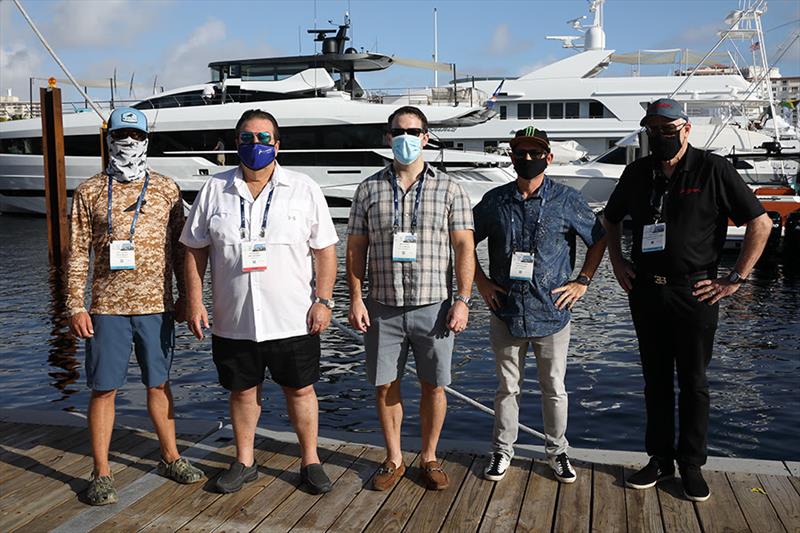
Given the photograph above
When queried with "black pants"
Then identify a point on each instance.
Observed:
(675, 331)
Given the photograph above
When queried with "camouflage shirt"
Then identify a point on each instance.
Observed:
(146, 289)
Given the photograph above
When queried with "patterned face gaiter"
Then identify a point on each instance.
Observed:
(127, 159)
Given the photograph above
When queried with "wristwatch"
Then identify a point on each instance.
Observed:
(327, 302)
(735, 277)
(461, 298)
(584, 280)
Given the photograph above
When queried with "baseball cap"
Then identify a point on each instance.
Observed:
(531, 134)
(127, 117)
(664, 107)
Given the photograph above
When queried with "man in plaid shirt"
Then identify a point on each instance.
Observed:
(409, 217)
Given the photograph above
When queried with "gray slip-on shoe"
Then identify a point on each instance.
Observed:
(235, 476)
(315, 478)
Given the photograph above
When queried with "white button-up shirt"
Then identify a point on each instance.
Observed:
(266, 304)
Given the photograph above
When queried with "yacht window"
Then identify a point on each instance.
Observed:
(539, 111)
(523, 111)
(556, 110)
(216, 74)
(489, 144)
(572, 110)
(596, 110)
(503, 112)
(614, 157)
(27, 146)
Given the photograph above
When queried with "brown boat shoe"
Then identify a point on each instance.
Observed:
(387, 475)
(435, 477)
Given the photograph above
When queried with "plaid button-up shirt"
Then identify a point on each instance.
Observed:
(443, 207)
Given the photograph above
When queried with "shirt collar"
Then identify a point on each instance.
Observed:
(428, 171)
(518, 195)
(237, 184)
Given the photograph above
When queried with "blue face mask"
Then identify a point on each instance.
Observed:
(406, 148)
(256, 156)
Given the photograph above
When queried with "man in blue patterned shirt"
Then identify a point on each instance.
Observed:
(531, 225)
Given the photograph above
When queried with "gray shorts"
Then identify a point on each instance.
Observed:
(393, 330)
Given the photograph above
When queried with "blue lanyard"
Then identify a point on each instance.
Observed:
(242, 226)
(139, 202)
(543, 196)
(396, 225)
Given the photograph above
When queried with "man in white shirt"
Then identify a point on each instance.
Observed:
(271, 241)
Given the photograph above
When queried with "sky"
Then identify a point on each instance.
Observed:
(171, 42)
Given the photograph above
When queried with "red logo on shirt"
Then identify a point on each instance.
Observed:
(690, 190)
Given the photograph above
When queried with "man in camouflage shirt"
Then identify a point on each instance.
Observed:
(130, 218)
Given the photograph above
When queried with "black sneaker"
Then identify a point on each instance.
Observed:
(656, 470)
(235, 476)
(562, 469)
(315, 478)
(497, 467)
(695, 487)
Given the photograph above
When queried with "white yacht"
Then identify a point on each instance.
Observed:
(331, 129)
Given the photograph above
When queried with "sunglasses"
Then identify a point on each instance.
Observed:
(667, 130)
(414, 132)
(137, 135)
(248, 137)
(520, 153)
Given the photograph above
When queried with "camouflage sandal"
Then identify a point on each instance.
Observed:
(180, 470)
(101, 491)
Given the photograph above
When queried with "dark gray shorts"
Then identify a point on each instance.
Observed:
(393, 330)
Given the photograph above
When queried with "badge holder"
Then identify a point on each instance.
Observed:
(122, 255)
(654, 237)
(404, 247)
(254, 256)
(521, 266)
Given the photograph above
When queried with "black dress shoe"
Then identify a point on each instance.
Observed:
(315, 478)
(235, 476)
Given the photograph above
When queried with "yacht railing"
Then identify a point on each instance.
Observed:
(425, 96)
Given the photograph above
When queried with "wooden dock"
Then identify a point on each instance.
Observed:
(44, 471)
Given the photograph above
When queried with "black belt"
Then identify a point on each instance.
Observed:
(676, 279)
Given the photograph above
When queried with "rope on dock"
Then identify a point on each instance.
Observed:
(464, 398)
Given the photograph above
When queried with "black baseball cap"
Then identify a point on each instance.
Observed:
(665, 107)
(531, 134)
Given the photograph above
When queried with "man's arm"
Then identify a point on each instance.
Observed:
(319, 315)
(623, 269)
(356, 265)
(464, 248)
(573, 291)
(195, 269)
(78, 266)
(755, 239)
(175, 227)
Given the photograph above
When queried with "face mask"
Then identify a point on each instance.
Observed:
(530, 168)
(406, 148)
(127, 159)
(256, 156)
(664, 148)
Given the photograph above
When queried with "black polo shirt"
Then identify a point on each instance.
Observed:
(704, 191)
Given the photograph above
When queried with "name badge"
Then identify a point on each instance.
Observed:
(404, 247)
(654, 237)
(254, 256)
(522, 266)
(122, 255)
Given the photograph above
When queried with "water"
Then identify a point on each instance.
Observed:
(753, 375)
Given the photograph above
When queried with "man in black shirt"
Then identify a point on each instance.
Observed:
(679, 200)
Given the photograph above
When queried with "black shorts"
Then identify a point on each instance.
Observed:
(292, 362)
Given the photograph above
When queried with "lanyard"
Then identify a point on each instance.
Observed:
(543, 196)
(396, 225)
(658, 197)
(139, 202)
(242, 226)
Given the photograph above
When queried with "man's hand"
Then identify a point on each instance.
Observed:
(489, 292)
(197, 318)
(457, 317)
(318, 318)
(358, 316)
(714, 290)
(623, 271)
(80, 325)
(570, 294)
(180, 310)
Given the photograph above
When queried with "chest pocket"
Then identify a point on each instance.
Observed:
(288, 226)
(223, 229)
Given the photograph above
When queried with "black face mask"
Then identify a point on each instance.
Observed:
(664, 148)
(529, 168)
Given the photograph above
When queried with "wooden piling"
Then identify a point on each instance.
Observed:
(55, 178)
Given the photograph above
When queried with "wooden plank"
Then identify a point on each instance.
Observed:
(503, 509)
(327, 509)
(358, 514)
(470, 504)
(574, 501)
(608, 506)
(288, 513)
(677, 512)
(34, 448)
(432, 510)
(273, 457)
(756, 507)
(784, 498)
(796, 483)
(539, 504)
(642, 510)
(265, 501)
(721, 512)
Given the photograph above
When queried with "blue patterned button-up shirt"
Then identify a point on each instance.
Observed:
(529, 308)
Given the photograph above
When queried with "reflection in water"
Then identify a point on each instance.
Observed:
(63, 344)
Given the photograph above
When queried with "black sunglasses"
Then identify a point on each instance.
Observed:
(520, 153)
(137, 135)
(667, 130)
(415, 132)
